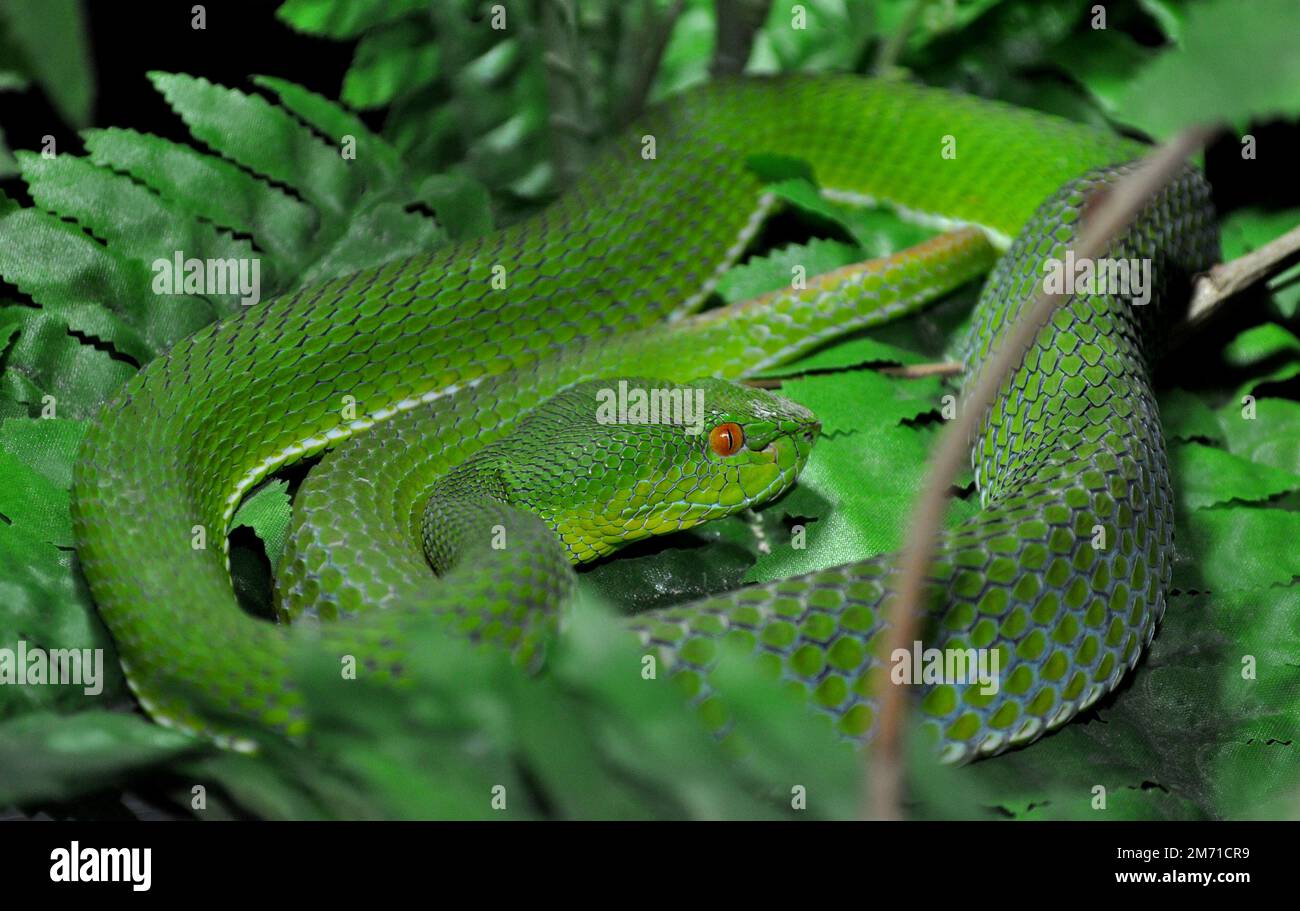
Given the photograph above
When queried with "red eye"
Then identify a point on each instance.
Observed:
(726, 439)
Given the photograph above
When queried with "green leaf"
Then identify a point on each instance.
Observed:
(828, 34)
(1104, 62)
(1249, 229)
(1234, 548)
(998, 53)
(45, 605)
(1185, 416)
(461, 205)
(859, 489)
(1169, 15)
(806, 199)
(45, 366)
(1234, 64)
(48, 757)
(268, 514)
(1262, 346)
(383, 232)
(1268, 437)
(566, 743)
(1190, 690)
(703, 561)
(1282, 373)
(94, 290)
(853, 352)
(209, 188)
(51, 35)
(1209, 476)
(47, 446)
(135, 222)
(344, 18)
(89, 263)
(34, 502)
(685, 60)
(879, 232)
(1259, 343)
(780, 168)
(776, 270)
(864, 399)
(374, 155)
(388, 63)
(262, 138)
(13, 81)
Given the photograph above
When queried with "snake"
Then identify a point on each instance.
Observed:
(466, 471)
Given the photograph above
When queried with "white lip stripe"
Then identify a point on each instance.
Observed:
(916, 216)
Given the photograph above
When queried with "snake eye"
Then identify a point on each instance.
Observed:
(726, 439)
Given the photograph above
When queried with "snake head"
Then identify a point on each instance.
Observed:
(757, 444)
(615, 461)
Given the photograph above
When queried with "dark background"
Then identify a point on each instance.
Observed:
(128, 40)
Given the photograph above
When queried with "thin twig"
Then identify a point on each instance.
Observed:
(892, 49)
(1114, 213)
(916, 371)
(1228, 279)
(906, 371)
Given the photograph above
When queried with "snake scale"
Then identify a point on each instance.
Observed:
(472, 416)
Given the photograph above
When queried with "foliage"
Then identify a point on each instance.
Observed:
(516, 92)
(516, 111)
(46, 43)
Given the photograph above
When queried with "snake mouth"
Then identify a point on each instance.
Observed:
(788, 453)
(801, 439)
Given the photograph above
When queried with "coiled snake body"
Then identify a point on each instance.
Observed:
(473, 416)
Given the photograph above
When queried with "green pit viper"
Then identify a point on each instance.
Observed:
(473, 415)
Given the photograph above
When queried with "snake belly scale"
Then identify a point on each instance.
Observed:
(447, 370)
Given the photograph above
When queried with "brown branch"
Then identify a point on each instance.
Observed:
(915, 371)
(1228, 279)
(907, 371)
(1110, 216)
